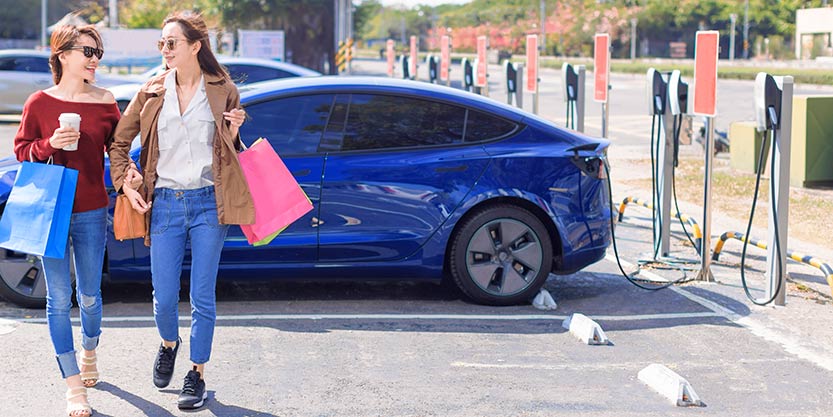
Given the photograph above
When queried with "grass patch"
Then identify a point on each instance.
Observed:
(732, 196)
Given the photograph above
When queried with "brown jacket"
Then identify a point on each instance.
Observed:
(234, 202)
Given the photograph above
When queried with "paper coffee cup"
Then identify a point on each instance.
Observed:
(72, 120)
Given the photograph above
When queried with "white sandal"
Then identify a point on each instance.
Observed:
(89, 378)
(75, 409)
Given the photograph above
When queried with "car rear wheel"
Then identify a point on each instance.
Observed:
(22, 280)
(501, 255)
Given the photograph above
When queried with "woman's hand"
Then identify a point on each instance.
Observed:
(64, 136)
(139, 204)
(133, 179)
(235, 117)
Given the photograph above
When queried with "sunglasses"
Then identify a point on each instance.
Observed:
(170, 43)
(89, 51)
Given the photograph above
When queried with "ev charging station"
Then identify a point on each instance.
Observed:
(468, 74)
(662, 159)
(773, 116)
(445, 59)
(601, 77)
(667, 105)
(431, 61)
(514, 78)
(414, 60)
(406, 69)
(704, 103)
(531, 84)
(481, 66)
(573, 93)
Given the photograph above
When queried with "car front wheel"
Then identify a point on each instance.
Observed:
(501, 255)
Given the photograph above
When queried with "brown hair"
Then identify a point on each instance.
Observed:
(63, 38)
(196, 30)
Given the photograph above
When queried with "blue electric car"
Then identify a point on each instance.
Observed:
(409, 180)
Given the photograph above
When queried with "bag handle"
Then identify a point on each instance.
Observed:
(32, 157)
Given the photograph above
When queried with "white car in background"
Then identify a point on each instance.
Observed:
(24, 71)
(242, 71)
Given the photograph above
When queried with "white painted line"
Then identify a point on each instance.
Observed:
(401, 317)
(606, 366)
(790, 343)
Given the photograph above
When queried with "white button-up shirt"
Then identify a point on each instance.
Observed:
(185, 141)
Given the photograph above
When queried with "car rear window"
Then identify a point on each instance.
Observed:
(384, 122)
(481, 127)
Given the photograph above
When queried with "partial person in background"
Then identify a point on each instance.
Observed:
(193, 187)
(76, 52)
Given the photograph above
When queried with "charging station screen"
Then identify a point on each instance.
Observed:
(480, 79)
(413, 57)
(445, 57)
(531, 84)
(391, 57)
(601, 67)
(705, 73)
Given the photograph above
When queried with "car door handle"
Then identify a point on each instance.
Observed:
(458, 168)
(301, 173)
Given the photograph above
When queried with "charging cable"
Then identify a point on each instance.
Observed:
(630, 277)
(761, 160)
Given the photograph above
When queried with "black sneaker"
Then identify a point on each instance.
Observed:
(193, 391)
(163, 366)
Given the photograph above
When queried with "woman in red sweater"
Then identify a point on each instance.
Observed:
(76, 52)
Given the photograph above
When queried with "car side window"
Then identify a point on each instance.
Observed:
(31, 64)
(384, 122)
(247, 74)
(481, 127)
(293, 125)
(6, 64)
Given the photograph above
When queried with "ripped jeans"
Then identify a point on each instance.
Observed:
(88, 235)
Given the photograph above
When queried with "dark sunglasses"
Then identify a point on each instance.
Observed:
(170, 43)
(89, 51)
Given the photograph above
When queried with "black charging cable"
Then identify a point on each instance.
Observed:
(678, 125)
(774, 219)
(630, 277)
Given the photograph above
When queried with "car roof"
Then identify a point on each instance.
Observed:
(367, 84)
(285, 66)
(25, 52)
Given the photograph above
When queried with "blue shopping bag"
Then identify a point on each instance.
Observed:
(38, 211)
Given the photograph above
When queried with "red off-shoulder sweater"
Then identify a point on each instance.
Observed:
(98, 122)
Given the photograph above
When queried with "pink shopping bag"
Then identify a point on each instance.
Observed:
(278, 198)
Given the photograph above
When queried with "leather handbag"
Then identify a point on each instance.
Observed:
(127, 222)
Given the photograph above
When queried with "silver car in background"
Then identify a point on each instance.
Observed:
(24, 71)
(242, 71)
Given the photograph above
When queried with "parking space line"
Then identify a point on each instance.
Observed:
(789, 343)
(404, 317)
(573, 366)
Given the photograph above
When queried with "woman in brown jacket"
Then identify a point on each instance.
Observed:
(192, 188)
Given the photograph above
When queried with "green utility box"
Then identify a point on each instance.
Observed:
(811, 159)
(745, 146)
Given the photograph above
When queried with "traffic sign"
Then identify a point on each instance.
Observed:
(531, 84)
(391, 57)
(445, 56)
(601, 67)
(706, 49)
(482, 63)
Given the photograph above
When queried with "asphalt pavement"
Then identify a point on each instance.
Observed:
(418, 349)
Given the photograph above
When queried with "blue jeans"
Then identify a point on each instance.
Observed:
(177, 216)
(88, 234)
